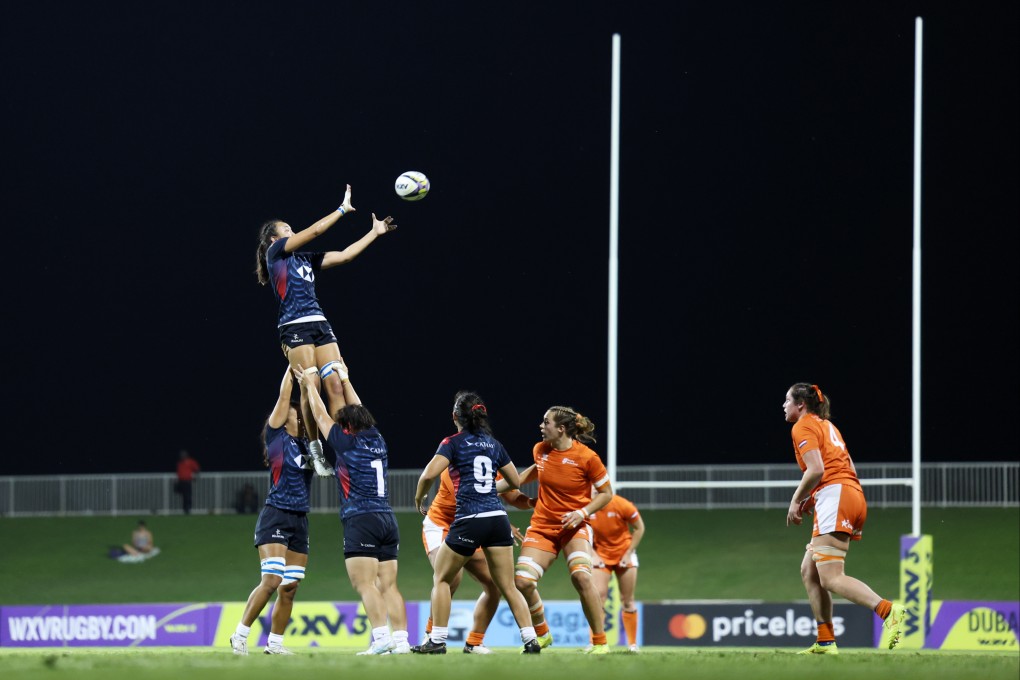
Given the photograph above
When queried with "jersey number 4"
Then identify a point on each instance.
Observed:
(834, 438)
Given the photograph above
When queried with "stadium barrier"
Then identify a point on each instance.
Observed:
(766, 486)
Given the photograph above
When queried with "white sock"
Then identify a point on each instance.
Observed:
(439, 633)
(400, 636)
(381, 634)
(275, 640)
(528, 634)
(242, 631)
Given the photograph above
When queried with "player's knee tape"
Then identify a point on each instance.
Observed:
(822, 554)
(331, 368)
(579, 561)
(528, 569)
(292, 574)
(273, 566)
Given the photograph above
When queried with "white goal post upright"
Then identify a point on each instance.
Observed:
(915, 415)
(614, 257)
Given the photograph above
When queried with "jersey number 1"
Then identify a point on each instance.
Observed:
(380, 480)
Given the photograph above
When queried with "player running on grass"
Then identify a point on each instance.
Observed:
(831, 487)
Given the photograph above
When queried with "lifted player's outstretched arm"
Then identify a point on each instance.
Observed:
(338, 257)
(305, 236)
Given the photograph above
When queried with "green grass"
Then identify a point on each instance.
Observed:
(656, 663)
(717, 554)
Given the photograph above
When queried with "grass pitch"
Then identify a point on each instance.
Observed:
(686, 555)
(654, 663)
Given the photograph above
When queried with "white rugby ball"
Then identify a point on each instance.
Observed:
(412, 185)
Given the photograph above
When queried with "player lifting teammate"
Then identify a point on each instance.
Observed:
(371, 537)
(281, 531)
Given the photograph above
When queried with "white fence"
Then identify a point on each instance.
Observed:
(753, 486)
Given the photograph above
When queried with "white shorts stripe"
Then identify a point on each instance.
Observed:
(432, 533)
(490, 513)
(827, 508)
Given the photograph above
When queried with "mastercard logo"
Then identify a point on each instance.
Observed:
(687, 626)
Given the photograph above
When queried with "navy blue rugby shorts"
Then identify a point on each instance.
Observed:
(316, 333)
(372, 534)
(470, 533)
(282, 526)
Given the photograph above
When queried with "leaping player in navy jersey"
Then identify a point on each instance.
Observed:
(306, 337)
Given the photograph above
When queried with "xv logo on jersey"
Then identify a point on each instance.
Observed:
(305, 272)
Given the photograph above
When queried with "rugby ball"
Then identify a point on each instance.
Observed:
(412, 185)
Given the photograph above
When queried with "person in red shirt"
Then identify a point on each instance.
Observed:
(830, 486)
(187, 472)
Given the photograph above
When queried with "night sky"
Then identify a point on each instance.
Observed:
(766, 178)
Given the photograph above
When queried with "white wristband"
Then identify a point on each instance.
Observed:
(311, 369)
(582, 513)
(341, 211)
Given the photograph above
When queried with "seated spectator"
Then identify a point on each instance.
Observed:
(141, 546)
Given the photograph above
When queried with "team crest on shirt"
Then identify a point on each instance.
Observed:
(305, 272)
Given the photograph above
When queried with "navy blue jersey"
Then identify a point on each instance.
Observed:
(290, 473)
(361, 469)
(474, 461)
(292, 276)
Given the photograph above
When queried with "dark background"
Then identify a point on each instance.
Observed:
(766, 183)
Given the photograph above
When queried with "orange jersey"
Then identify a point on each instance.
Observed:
(611, 528)
(565, 479)
(444, 505)
(812, 432)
